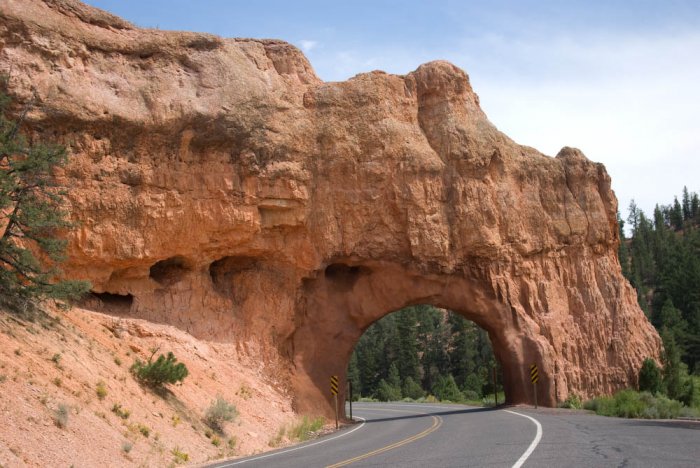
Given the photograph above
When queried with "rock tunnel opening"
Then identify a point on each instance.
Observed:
(424, 353)
(110, 303)
(169, 271)
(336, 312)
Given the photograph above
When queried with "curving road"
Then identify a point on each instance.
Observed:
(423, 435)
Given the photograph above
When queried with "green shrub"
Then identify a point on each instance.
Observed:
(305, 429)
(632, 404)
(60, 416)
(387, 392)
(446, 389)
(628, 404)
(277, 440)
(573, 401)
(101, 390)
(650, 377)
(219, 412)
(232, 443)
(164, 370)
(121, 412)
(179, 456)
(411, 389)
(144, 430)
(471, 395)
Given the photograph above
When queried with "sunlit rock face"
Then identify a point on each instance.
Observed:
(220, 186)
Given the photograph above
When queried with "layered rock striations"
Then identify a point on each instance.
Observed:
(221, 186)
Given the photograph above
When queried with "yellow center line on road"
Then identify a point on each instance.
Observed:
(437, 422)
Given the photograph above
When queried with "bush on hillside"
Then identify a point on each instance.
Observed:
(219, 412)
(632, 404)
(387, 392)
(650, 377)
(411, 389)
(446, 389)
(163, 370)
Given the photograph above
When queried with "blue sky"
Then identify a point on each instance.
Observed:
(618, 79)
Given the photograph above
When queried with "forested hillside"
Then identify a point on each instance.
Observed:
(423, 350)
(662, 261)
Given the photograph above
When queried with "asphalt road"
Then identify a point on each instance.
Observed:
(423, 435)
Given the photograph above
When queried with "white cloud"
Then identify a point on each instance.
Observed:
(307, 45)
(628, 102)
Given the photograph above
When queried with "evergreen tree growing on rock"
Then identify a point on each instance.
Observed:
(32, 216)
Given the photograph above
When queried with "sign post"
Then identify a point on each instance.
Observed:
(334, 391)
(534, 377)
(350, 396)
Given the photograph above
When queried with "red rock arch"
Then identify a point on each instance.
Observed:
(230, 171)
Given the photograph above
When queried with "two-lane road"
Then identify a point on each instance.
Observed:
(425, 435)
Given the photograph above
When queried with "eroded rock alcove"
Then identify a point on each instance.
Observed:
(220, 186)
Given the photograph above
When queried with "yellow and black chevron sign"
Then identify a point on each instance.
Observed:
(334, 384)
(534, 375)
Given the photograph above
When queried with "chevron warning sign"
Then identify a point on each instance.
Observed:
(334, 384)
(534, 375)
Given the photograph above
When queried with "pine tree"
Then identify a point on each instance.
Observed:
(394, 379)
(408, 362)
(633, 218)
(687, 213)
(445, 389)
(650, 377)
(387, 392)
(354, 377)
(676, 214)
(31, 217)
(411, 389)
(441, 343)
(673, 378)
(623, 250)
(694, 206)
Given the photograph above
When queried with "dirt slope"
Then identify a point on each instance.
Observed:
(58, 359)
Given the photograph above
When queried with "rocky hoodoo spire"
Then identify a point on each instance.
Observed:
(220, 186)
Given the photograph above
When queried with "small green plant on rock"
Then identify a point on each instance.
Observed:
(219, 412)
(144, 430)
(101, 390)
(121, 412)
(179, 456)
(163, 370)
(60, 416)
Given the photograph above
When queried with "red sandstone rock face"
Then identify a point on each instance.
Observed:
(220, 186)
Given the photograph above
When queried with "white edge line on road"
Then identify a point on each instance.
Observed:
(294, 449)
(534, 442)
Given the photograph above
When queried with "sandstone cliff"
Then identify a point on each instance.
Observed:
(221, 187)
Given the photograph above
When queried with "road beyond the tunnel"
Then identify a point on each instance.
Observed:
(435, 435)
